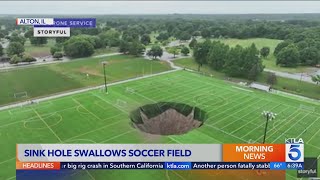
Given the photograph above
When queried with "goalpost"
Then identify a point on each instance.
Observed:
(130, 90)
(23, 94)
(121, 103)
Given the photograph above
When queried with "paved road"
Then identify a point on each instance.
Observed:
(297, 76)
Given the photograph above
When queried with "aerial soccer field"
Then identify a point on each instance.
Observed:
(234, 116)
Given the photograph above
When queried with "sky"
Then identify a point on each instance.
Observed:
(158, 7)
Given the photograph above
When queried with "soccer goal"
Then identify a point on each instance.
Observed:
(307, 108)
(130, 90)
(20, 94)
(121, 103)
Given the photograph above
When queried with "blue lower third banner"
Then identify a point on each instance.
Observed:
(72, 23)
(286, 166)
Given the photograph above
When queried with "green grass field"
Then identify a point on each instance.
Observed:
(54, 78)
(39, 51)
(283, 84)
(95, 117)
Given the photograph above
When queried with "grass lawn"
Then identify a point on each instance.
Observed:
(107, 50)
(39, 51)
(55, 78)
(234, 116)
(283, 84)
(270, 61)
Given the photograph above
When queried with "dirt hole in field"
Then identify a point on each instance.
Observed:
(167, 118)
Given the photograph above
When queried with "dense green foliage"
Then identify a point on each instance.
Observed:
(1, 50)
(79, 46)
(289, 56)
(185, 50)
(236, 61)
(15, 48)
(264, 52)
(155, 51)
(38, 41)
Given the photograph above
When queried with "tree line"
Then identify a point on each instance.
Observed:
(234, 61)
(132, 33)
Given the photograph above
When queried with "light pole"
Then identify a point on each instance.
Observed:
(270, 116)
(104, 63)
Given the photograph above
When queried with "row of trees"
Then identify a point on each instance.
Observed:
(15, 59)
(290, 54)
(236, 61)
(157, 51)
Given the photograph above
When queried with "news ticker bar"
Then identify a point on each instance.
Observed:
(160, 152)
(161, 165)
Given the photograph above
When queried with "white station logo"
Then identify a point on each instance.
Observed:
(51, 32)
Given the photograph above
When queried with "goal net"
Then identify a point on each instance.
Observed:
(20, 94)
(121, 103)
(130, 90)
(307, 108)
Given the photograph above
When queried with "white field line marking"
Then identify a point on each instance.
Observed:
(173, 96)
(88, 132)
(7, 160)
(114, 137)
(230, 102)
(228, 109)
(240, 118)
(313, 146)
(90, 175)
(251, 119)
(313, 135)
(179, 175)
(173, 139)
(308, 127)
(200, 89)
(188, 86)
(83, 90)
(154, 100)
(191, 92)
(291, 127)
(35, 117)
(289, 119)
(111, 104)
(276, 129)
(85, 140)
(241, 89)
(86, 109)
(47, 126)
(13, 177)
(261, 124)
(209, 137)
(225, 132)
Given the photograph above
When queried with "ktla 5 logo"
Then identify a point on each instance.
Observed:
(294, 152)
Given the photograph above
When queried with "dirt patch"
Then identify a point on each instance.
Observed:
(171, 119)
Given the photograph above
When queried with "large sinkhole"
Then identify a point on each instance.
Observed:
(167, 118)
